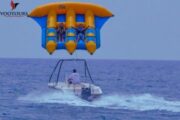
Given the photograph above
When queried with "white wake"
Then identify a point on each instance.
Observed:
(142, 102)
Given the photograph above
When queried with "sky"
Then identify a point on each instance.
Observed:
(140, 29)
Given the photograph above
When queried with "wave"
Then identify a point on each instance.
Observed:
(141, 102)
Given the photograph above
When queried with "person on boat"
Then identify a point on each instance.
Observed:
(61, 31)
(74, 77)
(81, 29)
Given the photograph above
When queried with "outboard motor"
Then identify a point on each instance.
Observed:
(86, 94)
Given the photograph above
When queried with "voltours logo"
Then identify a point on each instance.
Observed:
(13, 5)
(13, 12)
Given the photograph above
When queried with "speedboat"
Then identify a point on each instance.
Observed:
(85, 90)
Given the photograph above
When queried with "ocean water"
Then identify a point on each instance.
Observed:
(133, 90)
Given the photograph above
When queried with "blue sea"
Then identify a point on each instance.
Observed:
(133, 90)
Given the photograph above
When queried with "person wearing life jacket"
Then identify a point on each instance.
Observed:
(81, 29)
(61, 31)
(74, 77)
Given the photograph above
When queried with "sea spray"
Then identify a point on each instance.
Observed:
(141, 102)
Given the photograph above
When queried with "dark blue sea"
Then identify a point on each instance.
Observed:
(133, 90)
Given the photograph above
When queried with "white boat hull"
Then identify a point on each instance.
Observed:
(84, 90)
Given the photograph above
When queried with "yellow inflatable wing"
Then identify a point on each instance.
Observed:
(62, 7)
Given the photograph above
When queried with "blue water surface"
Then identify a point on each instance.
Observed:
(133, 90)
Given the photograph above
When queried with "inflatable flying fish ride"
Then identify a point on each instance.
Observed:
(70, 15)
(86, 90)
